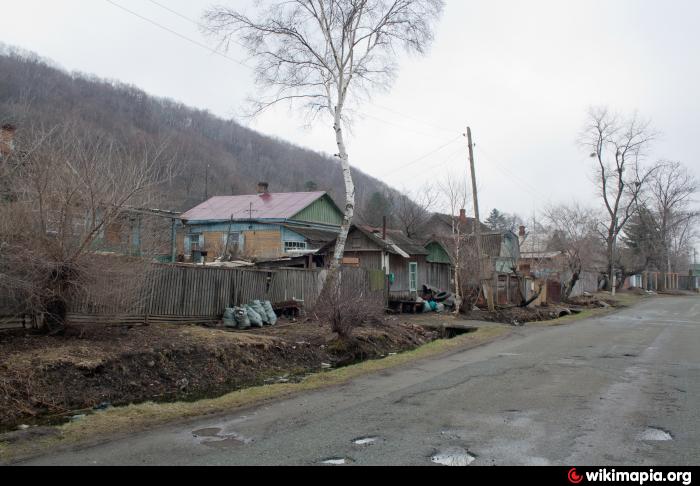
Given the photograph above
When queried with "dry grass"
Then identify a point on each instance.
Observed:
(118, 422)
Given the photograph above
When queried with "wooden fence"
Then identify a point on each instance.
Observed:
(185, 293)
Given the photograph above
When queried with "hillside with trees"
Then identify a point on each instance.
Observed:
(208, 155)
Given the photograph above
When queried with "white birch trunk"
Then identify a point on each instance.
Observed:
(349, 192)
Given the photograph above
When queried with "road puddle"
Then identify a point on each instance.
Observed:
(365, 441)
(337, 461)
(654, 434)
(215, 437)
(210, 432)
(455, 456)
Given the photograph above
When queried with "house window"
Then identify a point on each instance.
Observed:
(356, 242)
(413, 276)
(196, 242)
(291, 246)
(232, 240)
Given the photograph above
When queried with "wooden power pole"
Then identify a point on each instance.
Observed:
(477, 223)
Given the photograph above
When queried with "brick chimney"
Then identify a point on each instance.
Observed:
(7, 139)
(263, 188)
(521, 231)
(463, 216)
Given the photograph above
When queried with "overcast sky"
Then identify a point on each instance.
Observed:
(521, 74)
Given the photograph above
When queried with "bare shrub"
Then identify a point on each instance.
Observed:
(66, 188)
(348, 301)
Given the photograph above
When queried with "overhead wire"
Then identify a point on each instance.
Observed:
(178, 34)
(422, 157)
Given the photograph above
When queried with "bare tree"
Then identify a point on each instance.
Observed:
(454, 194)
(327, 55)
(575, 229)
(672, 189)
(412, 209)
(69, 185)
(618, 145)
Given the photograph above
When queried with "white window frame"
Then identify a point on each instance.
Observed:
(199, 244)
(413, 276)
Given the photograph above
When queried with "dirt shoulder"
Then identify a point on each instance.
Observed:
(48, 379)
(116, 422)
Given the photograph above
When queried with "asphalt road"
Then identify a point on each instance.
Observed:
(621, 389)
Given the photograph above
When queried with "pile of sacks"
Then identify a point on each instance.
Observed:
(255, 314)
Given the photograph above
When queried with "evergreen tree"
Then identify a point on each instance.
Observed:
(497, 221)
(377, 207)
(642, 238)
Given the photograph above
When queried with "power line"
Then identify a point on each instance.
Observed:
(521, 183)
(367, 115)
(423, 157)
(442, 163)
(415, 119)
(189, 19)
(176, 33)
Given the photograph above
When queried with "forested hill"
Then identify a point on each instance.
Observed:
(33, 91)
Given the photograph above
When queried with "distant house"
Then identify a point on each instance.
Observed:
(537, 258)
(501, 247)
(408, 263)
(261, 226)
(440, 226)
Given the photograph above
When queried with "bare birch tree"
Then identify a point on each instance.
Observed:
(327, 55)
(619, 146)
(455, 197)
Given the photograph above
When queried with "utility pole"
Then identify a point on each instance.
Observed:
(477, 220)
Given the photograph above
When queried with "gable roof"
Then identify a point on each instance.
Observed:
(274, 205)
(438, 252)
(396, 241)
(446, 220)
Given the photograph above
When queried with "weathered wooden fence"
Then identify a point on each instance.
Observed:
(202, 292)
(186, 293)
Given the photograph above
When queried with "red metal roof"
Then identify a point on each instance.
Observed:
(274, 205)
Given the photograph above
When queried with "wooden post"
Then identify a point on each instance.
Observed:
(173, 242)
(476, 230)
(495, 288)
(508, 289)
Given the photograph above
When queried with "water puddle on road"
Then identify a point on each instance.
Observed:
(337, 461)
(455, 456)
(654, 434)
(209, 432)
(365, 441)
(213, 437)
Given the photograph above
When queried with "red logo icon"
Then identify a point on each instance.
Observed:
(574, 477)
